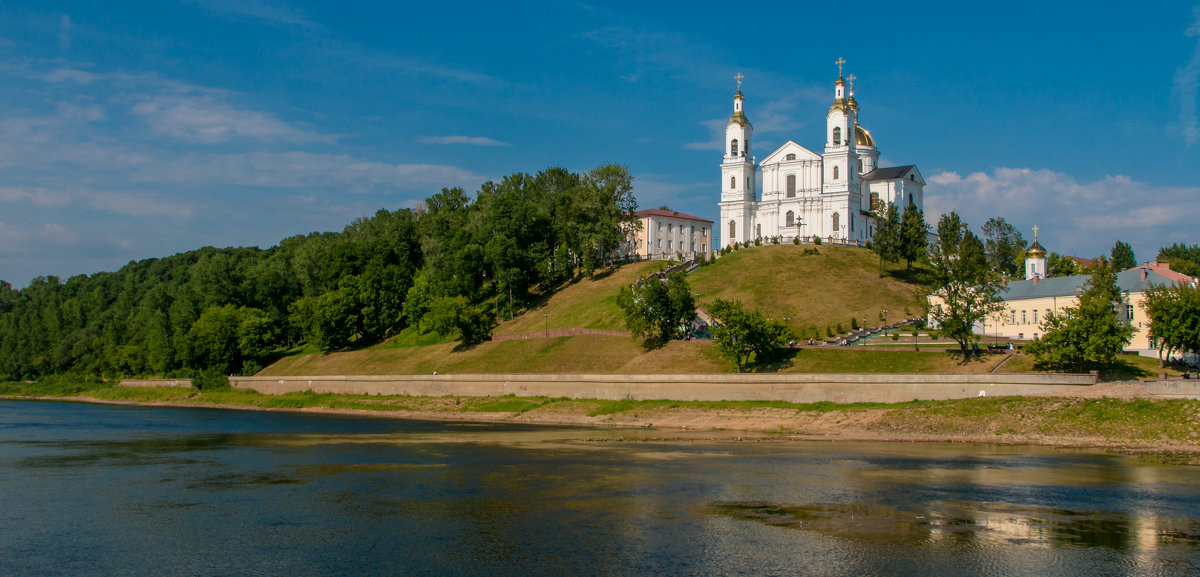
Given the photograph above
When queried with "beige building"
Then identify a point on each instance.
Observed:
(669, 234)
(1028, 302)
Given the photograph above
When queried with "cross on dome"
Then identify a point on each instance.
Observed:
(850, 80)
(840, 61)
(1035, 229)
(739, 78)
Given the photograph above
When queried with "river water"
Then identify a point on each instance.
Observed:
(107, 490)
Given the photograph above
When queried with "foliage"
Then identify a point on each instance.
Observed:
(1174, 313)
(1061, 265)
(457, 316)
(1087, 336)
(886, 241)
(913, 243)
(1182, 258)
(658, 309)
(743, 334)
(1122, 256)
(210, 379)
(967, 289)
(1003, 245)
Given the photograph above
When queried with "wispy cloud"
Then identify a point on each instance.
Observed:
(1186, 86)
(274, 13)
(205, 118)
(1080, 218)
(473, 140)
(64, 33)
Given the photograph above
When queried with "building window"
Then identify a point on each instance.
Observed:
(733, 147)
(836, 221)
(1013, 320)
(875, 205)
(790, 156)
(791, 186)
(837, 135)
(1024, 321)
(758, 230)
(790, 219)
(732, 230)
(733, 183)
(912, 177)
(1035, 316)
(860, 166)
(1129, 313)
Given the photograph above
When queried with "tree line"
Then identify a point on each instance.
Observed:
(453, 265)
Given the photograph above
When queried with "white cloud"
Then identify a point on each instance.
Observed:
(716, 132)
(204, 118)
(474, 140)
(276, 13)
(64, 33)
(1186, 86)
(1082, 219)
(37, 196)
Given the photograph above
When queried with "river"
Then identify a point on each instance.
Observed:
(118, 490)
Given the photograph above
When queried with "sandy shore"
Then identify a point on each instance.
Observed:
(762, 423)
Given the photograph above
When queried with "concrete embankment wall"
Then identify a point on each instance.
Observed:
(1176, 389)
(184, 383)
(794, 388)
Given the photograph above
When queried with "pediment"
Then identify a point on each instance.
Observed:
(781, 154)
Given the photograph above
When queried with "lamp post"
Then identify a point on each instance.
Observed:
(547, 315)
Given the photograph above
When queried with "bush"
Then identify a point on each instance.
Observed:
(854, 324)
(840, 330)
(758, 241)
(816, 239)
(210, 379)
(796, 240)
(828, 331)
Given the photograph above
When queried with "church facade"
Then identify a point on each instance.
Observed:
(833, 195)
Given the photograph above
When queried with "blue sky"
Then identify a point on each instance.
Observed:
(138, 130)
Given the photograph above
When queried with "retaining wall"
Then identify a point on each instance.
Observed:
(1177, 389)
(794, 388)
(184, 383)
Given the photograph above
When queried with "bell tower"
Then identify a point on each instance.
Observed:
(738, 170)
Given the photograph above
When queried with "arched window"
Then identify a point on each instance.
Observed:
(837, 135)
(732, 182)
(790, 156)
(860, 166)
(791, 186)
(733, 147)
(835, 172)
(732, 230)
(837, 219)
(791, 219)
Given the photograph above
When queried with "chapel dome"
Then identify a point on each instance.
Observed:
(1035, 250)
(862, 137)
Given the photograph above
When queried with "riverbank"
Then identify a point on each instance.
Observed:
(1115, 417)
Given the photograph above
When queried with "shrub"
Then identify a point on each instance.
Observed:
(828, 331)
(854, 324)
(816, 239)
(758, 241)
(840, 330)
(210, 379)
(796, 240)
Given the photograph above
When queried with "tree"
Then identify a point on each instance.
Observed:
(967, 290)
(448, 316)
(1182, 258)
(1089, 335)
(1060, 265)
(657, 310)
(1122, 256)
(913, 243)
(1003, 245)
(741, 334)
(886, 240)
(1174, 313)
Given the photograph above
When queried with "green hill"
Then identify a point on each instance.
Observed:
(811, 290)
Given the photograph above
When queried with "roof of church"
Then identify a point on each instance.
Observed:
(668, 213)
(888, 173)
(1066, 286)
(1035, 250)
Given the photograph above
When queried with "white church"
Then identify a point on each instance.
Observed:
(805, 194)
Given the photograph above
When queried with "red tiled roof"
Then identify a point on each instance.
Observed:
(668, 213)
(1164, 269)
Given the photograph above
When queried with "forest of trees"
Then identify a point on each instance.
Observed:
(454, 266)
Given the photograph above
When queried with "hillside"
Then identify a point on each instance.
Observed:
(811, 290)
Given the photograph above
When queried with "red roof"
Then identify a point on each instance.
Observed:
(668, 213)
(1164, 269)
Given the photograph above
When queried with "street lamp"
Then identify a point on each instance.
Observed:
(547, 315)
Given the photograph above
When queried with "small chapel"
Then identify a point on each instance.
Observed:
(834, 195)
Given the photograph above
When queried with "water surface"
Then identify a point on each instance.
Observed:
(93, 489)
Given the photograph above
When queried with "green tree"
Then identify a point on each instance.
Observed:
(449, 316)
(1003, 245)
(1122, 256)
(967, 290)
(657, 310)
(913, 241)
(1182, 258)
(886, 240)
(1060, 265)
(1089, 335)
(1174, 312)
(742, 334)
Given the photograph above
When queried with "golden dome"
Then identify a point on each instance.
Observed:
(738, 118)
(1035, 250)
(862, 137)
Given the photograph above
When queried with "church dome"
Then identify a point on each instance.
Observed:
(1035, 250)
(739, 117)
(862, 137)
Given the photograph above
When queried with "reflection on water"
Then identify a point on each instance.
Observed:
(150, 491)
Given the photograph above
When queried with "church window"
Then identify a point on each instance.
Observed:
(791, 186)
(837, 135)
(836, 221)
(758, 230)
(875, 205)
(835, 172)
(732, 230)
(852, 223)
(732, 183)
(1129, 313)
(790, 156)
(912, 177)
(733, 147)
(791, 219)
(860, 166)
